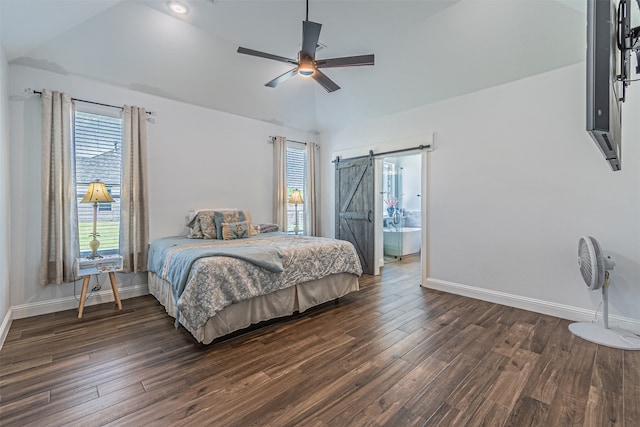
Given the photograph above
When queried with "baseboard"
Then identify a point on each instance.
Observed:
(531, 304)
(6, 324)
(67, 303)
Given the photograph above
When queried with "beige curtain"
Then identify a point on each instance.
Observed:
(311, 209)
(60, 246)
(280, 182)
(134, 202)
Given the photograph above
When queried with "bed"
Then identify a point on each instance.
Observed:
(214, 287)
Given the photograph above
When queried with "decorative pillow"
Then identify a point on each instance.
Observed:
(267, 228)
(253, 231)
(196, 230)
(233, 215)
(208, 225)
(202, 225)
(235, 230)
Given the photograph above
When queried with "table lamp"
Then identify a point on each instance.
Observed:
(296, 199)
(97, 193)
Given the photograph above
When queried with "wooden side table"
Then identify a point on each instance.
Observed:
(88, 267)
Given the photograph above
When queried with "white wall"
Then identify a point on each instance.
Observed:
(514, 181)
(198, 158)
(411, 166)
(5, 295)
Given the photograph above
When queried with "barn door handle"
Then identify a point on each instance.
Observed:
(370, 216)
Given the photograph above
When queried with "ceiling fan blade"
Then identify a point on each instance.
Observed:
(328, 84)
(347, 61)
(310, 36)
(275, 82)
(252, 52)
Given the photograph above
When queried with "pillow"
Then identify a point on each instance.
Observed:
(231, 216)
(253, 230)
(196, 230)
(267, 228)
(194, 212)
(235, 230)
(208, 225)
(202, 225)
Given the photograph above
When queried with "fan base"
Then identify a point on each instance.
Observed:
(613, 337)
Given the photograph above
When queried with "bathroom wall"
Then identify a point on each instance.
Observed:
(410, 165)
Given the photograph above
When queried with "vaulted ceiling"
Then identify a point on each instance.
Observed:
(426, 50)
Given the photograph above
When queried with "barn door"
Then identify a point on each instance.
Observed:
(355, 207)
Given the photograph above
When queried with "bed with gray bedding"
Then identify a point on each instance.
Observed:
(215, 287)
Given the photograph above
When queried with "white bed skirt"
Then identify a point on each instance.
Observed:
(265, 307)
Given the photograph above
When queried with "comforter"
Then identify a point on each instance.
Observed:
(218, 273)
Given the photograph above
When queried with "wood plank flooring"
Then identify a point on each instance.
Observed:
(392, 354)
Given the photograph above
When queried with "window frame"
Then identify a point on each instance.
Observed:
(292, 184)
(110, 242)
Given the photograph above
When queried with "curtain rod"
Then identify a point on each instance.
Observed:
(151, 113)
(372, 154)
(270, 141)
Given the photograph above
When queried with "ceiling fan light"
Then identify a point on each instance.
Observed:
(306, 68)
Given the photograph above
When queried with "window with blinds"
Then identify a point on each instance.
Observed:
(98, 145)
(296, 173)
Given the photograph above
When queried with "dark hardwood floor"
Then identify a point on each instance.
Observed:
(393, 354)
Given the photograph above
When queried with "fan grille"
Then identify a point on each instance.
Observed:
(591, 262)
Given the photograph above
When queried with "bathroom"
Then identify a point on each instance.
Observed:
(402, 215)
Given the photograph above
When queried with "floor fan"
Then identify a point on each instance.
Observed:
(596, 269)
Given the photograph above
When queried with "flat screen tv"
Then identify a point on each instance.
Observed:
(604, 89)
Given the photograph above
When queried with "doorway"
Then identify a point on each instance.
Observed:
(419, 145)
(402, 206)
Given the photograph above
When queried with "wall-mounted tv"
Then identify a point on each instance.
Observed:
(610, 43)
(604, 90)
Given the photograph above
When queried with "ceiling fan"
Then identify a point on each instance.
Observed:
(307, 65)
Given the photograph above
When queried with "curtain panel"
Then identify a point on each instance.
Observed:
(311, 209)
(59, 226)
(280, 182)
(134, 201)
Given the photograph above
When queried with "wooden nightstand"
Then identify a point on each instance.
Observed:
(87, 267)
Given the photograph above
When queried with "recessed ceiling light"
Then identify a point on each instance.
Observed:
(178, 7)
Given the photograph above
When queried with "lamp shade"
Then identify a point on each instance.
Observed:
(97, 193)
(296, 197)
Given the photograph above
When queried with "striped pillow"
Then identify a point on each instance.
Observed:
(230, 216)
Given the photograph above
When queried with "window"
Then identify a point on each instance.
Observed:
(296, 179)
(98, 143)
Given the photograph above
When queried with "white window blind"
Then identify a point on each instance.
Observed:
(296, 173)
(98, 145)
